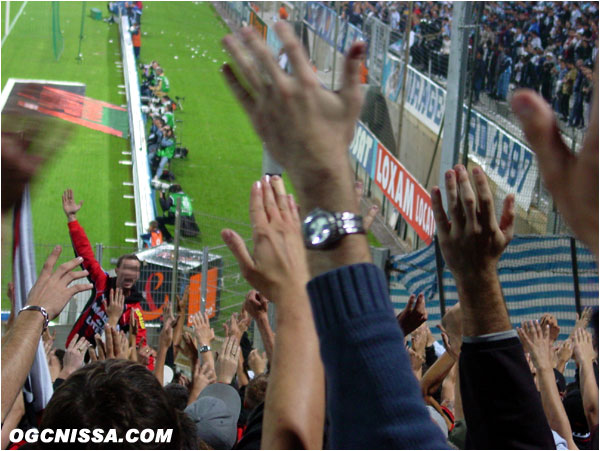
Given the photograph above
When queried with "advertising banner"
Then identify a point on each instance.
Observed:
(508, 162)
(411, 200)
(398, 185)
(364, 148)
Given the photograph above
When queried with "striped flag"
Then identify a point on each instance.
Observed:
(38, 386)
(536, 274)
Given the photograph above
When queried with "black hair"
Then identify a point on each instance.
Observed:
(121, 395)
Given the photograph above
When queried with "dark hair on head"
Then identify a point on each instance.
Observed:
(128, 257)
(175, 188)
(177, 395)
(60, 355)
(256, 391)
(121, 395)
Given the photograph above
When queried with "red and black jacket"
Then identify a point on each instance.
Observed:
(94, 317)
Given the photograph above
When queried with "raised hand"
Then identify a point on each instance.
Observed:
(69, 206)
(257, 362)
(202, 329)
(279, 264)
(473, 241)
(115, 307)
(571, 178)
(413, 315)
(237, 324)
(583, 348)
(165, 338)
(227, 363)
(550, 320)
(73, 358)
(203, 375)
(52, 290)
(314, 119)
(256, 304)
(582, 320)
(538, 343)
(373, 209)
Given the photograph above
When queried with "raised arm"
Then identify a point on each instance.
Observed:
(295, 400)
(585, 355)
(50, 292)
(536, 339)
(568, 176)
(80, 241)
(165, 340)
(257, 305)
(308, 130)
(472, 244)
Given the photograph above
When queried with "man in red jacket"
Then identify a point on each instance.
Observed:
(94, 316)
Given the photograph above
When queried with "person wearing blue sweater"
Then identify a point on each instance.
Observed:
(373, 398)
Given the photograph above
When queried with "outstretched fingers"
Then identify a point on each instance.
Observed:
(441, 220)
(542, 132)
(350, 90)
(295, 52)
(238, 248)
(507, 220)
(487, 216)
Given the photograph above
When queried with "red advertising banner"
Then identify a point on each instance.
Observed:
(405, 193)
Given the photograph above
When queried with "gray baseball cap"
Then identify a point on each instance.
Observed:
(215, 413)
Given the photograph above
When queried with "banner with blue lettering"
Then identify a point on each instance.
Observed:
(425, 99)
(508, 162)
(391, 79)
(321, 20)
(364, 148)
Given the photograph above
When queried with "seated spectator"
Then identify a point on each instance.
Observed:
(168, 203)
(162, 151)
(162, 86)
(154, 237)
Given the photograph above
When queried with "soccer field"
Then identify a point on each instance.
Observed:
(225, 154)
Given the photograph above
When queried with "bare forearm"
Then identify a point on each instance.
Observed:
(436, 374)
(159, 365)
(267, 335)
(12, 420)
(483, 308)
(553, 408)
(295, 402)
(332, 190)
(561, 365)
(18, 353)
(589, 393)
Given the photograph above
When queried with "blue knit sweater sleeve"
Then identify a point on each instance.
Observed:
(373, 399)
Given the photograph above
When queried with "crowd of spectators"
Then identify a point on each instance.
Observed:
(550, 47)
(339, 370)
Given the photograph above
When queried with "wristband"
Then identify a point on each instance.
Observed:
(42, 310)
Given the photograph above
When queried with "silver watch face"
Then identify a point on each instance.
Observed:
(318, 230)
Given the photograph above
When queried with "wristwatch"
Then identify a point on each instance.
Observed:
(323, 229)
(42, 310)
(203, 349)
